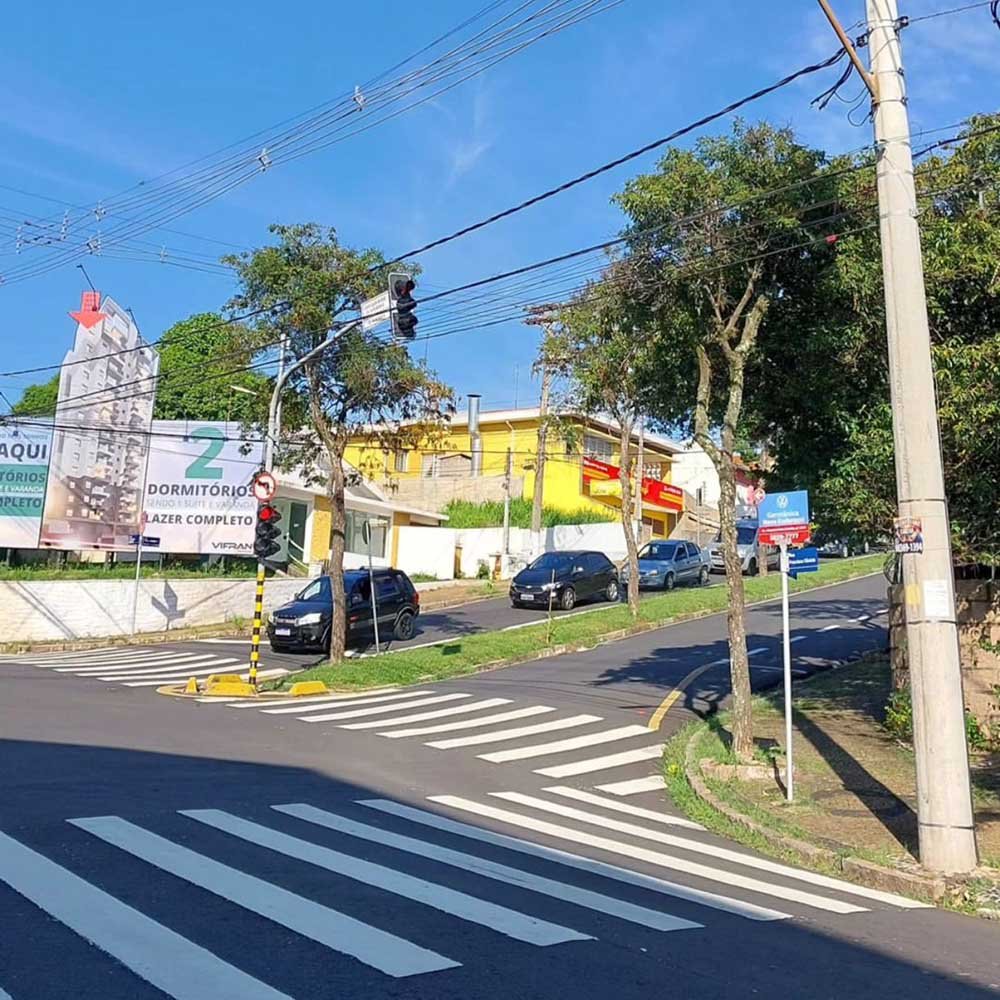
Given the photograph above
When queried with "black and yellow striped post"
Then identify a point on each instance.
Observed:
(258, 615)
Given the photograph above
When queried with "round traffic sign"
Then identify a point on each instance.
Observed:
(759, 494)
(264, 486)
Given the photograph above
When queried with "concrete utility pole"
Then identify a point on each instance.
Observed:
(639, 474)
(543, 316)
(944, 802)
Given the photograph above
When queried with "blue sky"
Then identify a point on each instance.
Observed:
(95, 98)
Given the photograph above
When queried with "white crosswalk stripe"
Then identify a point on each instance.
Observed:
(633, 786)
(161, 663)
(602, 763)
(323, 704)
(483, 720)
(331, 699)
(160, 956)
(356, 713)
(263, 675)
(622, 807)
(516, 733)
(379, 949)
(159, 671)
(439, 713)
(459, 904)
(561, 746)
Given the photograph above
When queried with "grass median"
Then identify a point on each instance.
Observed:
(470, 653)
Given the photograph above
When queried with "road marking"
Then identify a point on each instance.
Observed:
(491, 869)
(379, 709)
(84, 658)
(321, 704)
(714, 850)
(561, 746)
(485, 720)
(156, 954)
(106, 666)
(379, 949)
(264, 675)
(750, 911)
(650, 857)
(459, 904)
(174, 668)
(440, 713)
(634, 786)
(602, 763)
(325, 699)
(199, 670)
(622, 807)
(556, 617)
(656, 719)
(69, 653)
(512, 734)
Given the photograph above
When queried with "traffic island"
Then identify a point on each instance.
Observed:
(854, 813)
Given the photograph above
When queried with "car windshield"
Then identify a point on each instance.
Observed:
(660, 551)
(746, 534)
(551, 560)
(311, 592)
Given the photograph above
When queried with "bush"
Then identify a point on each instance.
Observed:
(489, 514)
(899, 722)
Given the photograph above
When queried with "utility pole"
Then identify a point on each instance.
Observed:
(944, 800)
(507, 475)
(543, 316)
(639, 468)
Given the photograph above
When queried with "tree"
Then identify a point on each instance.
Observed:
(603, 351)
(723, 232)
(38, 400)
(830, 418)
(363, 383)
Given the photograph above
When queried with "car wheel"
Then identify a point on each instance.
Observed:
(516, 604)
(703, 577)
(276, 647)
(669, 582)
(752, 568)
(612, 592)
(404, 626)
(567, 599)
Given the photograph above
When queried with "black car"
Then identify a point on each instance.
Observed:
(304, 622)
(568, 576)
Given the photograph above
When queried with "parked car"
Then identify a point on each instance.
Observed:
(304, 622)
(569, 577)
(840, 547)
(748, 548)
(667, 564)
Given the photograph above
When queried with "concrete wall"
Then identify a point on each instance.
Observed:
(71, 609)
(432, 550)
(978, 613)
(435, 494)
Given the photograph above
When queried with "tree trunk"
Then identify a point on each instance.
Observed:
(338, 527)
(630, 542)
(739, 663)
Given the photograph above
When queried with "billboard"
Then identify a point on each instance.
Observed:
(197, 497)
(24, 471)
(100, 437)
(602, 479)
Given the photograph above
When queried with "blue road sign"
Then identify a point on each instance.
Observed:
(784, 510)
(148, 541)
(802, 561)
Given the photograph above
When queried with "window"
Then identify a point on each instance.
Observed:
(401, 461)
(660, 551)
(314, 591)
(354, 540)
(386, 588)
(551, 560)
(682, 552)
(693, 549)
(598, 447)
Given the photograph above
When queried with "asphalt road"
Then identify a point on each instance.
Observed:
(141, 856)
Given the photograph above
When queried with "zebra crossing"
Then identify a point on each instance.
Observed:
(495, 730)
(140, 667)
(505, 866)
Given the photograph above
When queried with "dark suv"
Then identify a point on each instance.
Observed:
(569, 577)
(304, 622)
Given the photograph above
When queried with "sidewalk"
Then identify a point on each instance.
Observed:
(855, 791)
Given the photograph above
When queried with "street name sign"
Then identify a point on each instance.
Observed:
(803, 561)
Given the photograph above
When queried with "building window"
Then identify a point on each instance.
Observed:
(598, 447)
(354, 540)
(401, 461)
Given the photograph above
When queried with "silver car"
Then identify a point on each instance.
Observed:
(748, 548)
(665, 565)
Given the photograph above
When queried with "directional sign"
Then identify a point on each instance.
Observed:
(759, 495)
(264, 486)
(148, 541)
(782, 514)
(803, 561)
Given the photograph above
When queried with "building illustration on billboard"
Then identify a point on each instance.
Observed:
(101, 431)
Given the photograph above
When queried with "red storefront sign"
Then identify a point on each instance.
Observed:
(654, 492)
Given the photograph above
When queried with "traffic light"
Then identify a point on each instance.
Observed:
(403, 306)
(265, 541)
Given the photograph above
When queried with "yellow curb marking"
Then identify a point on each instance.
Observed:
(668, 703)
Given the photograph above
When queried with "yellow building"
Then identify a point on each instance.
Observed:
(582, 456)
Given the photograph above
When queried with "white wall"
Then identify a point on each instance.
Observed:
(71, 609)
(432, 550)
(693, 469)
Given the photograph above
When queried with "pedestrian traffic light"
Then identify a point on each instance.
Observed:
(403, 306)
(265, 541)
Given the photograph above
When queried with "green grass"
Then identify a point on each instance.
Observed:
(122, 571)
(489, 514)
(471, 653)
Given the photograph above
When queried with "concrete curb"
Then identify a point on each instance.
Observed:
(913, 882)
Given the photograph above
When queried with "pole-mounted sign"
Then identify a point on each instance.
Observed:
(264, 486)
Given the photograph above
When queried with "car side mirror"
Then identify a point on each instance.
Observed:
(578, 571)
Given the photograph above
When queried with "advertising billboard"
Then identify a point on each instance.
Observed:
(602, 479)
(24, 470)
(198, 495)
(100, 438)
